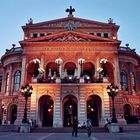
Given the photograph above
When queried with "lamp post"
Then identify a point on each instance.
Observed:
(26, 91)
(3, 108)
(138, 110)
(81, 61)
(112, 92)
(58, 62)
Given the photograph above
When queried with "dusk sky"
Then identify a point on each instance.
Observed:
(15, 13)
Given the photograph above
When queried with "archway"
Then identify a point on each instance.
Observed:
(51, 70)
(46, 110)
(94, 109)
(32, 71)
(88, 71)
(70, 68)
(69, 110)
(108, 71)
(13, 113)
(128, 113)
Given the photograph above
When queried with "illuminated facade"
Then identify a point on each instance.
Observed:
(69, 62)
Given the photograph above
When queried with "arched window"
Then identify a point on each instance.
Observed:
(133, 83)
(124, 83)
(7, 84)
(17, 78)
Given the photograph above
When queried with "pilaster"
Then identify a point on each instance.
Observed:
(23, 70)
(82, 107)
(57, 119)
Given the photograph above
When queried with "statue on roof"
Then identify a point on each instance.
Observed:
(110, 20)
(70, 11)
(30, 21)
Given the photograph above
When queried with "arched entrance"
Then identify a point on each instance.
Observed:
(70, 68)
(13, 113)
(88, 70)
(46, 110)
(94, 109)
(108, 71)
(69, 109)
(32, 70)
(128, 113)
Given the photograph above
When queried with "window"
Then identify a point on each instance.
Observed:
(35, 35)
(7, 84)
(132, 76)
(42, 34)
(49, 33)
(91, 33)
(0, 82)
(98, 34)
(17, 78)
(124, 83)
(106, 35)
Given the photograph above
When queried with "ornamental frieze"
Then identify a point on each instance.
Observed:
(69, 38)
(75, 23)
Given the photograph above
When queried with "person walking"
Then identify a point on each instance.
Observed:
(75, 127)
(88, 126)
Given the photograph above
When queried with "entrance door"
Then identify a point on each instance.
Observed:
(46, 110)
(13, 113)
(70, 109)
(94, 109)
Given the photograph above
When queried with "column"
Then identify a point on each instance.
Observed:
(105, 107)
(42, 61)
(42, 65)
(10, 80)
(97, 66)
(57, 118)
(82, 107)
(78, 71)
(33, 103)
(116, 71)
(23, 70)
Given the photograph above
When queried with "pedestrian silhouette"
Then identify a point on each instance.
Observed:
(75, 127)
(89, 126)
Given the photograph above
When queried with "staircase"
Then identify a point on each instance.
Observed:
(66, 130)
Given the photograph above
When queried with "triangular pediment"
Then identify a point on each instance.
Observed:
(69, 22)
(70, 36)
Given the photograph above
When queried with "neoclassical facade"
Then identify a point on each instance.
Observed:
(69, 62)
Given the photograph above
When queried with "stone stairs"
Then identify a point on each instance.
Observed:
(66, 130)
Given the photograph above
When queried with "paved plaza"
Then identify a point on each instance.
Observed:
(68, 136)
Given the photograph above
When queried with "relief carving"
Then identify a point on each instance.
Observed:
(69, 38)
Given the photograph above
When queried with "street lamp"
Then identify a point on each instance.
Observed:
(58, 62)
(26, 91)
(81, 61)
(112, 92)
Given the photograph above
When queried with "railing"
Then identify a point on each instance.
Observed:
(13, 49)
(68, 80)
(127, 49)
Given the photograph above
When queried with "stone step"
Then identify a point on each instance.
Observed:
(66, 130)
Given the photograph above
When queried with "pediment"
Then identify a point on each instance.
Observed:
(69, 22)
(70, 36)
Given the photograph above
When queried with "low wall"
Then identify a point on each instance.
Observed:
(9, 128)
(130, 127)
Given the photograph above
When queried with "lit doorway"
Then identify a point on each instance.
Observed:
(70, 110)
(13, 115)
(46, 110)
(94, 109)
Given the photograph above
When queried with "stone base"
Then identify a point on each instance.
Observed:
(58, 80)
(82, 80)
(114, 128)
(25, 128)
(122, 121)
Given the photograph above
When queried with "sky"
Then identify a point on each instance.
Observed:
(15, 13)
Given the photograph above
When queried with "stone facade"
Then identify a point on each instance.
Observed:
(69, 62)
